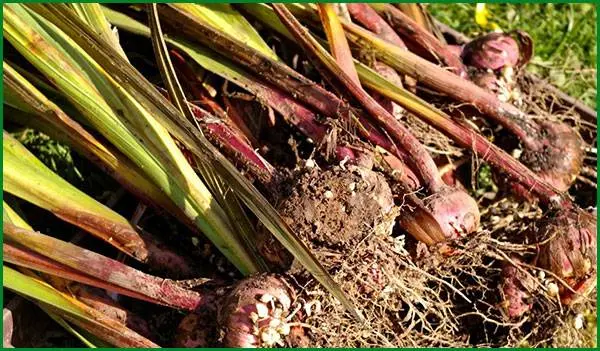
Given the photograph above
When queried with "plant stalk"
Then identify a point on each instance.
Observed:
(419, 39)
(419, 158)
(157, 290)
(277, 74)
(468, 138)
(446, 82)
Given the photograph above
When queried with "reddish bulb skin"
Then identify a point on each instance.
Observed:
(234, 315)
(456, 49)
(491, 51)
(558, 159)
(514, 288)
(554, 151)
(571, 254)
(456, 212)
(234, 309)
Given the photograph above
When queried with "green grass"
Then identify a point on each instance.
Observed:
(52, 153)
(564, 37)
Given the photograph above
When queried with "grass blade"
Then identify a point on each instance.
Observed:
(9, 215)
(165, 66)
(271, 71)
(89, 339)
(24, 257)
(28, 178)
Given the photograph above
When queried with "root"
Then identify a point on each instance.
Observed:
(431, 299)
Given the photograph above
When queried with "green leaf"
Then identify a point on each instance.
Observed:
(88, 340)
(122, 118)
(105, 328)
(92, 14)
(42, 114)
(201, 55)
(217, 185)
(36, 289)
(184, 131)
(9, 215)
(226, 19)
(28, 178)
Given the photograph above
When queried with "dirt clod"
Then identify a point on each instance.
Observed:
(332, 209)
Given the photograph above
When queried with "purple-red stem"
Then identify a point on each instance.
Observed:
(89, 267)
(276, 73)
(368, 17)
(446, 82)
(488, 152)
(418, 156)
(419, 39)
(228, 140)
(29, 259)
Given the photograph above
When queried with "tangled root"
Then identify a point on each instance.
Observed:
(420, 297)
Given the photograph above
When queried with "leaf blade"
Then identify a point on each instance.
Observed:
(200, 146)
(215, 182)
(122, 119)
(106, 328)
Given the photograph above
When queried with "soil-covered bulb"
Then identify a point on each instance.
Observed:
(330, 208)
(558, 158)
(570, 252)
